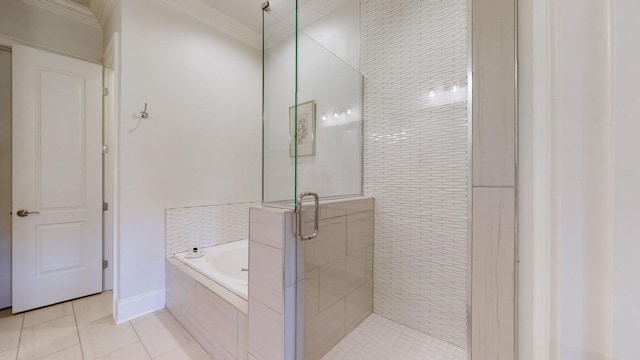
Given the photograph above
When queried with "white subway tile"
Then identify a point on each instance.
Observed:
(204, 226)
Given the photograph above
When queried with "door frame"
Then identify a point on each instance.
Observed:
(8, 49)
(111, 131)
(107, 242)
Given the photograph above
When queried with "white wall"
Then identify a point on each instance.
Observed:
(328, 52)
(339, 31)
(200, 145)
(591, 185)
(38, 27)
(582, 110)
(626, 267)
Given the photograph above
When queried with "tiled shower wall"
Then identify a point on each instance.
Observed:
(416, 163)
(203, 226)
(313, 292)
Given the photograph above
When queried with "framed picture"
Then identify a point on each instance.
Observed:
(306, 129)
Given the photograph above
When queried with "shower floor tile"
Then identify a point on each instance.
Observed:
(379, 338)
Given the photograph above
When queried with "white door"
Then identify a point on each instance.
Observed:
(57, 176)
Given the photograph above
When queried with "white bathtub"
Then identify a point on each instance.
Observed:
(224, 264)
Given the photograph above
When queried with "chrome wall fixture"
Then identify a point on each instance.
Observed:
(144, 114)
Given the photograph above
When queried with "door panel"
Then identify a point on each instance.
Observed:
(62, 99)
(58, 247)
(57, 172)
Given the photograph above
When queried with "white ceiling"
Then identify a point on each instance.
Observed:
(246, 12)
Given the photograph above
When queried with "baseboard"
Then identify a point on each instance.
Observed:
(134, 307)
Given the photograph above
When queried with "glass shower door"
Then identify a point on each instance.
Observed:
(312, 106)
(312, 139)
(329, 154)
(279, 99)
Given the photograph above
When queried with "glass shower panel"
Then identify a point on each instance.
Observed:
(319, 147)
(279, 87)
(329, 160)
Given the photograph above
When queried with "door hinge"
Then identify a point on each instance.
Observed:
(105, 264)
(105, 149)
(105, 206)
(105, 91)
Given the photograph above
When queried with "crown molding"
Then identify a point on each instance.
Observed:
(316, 10)
(101, 10)
(218, 20)
(68, 9)
(307, 15)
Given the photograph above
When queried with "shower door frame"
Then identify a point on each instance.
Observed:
(469, 173)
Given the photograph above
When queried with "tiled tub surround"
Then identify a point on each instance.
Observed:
(204, 226)
(331, 275)
(416, 142)
(338, 274)
(213, 315)
(272, 284)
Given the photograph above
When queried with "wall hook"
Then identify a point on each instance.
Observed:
(144, 114)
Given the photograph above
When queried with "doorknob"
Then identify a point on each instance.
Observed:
(24, 213)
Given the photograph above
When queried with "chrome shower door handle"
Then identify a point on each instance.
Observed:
(300, 219)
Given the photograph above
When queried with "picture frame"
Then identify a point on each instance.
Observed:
(306, 129)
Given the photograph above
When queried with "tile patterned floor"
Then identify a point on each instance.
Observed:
(84, 329)
(379, 338)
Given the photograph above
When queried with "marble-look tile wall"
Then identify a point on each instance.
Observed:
(494, 179)
(272, 284)
(206, 225)
(307, 296)
(213, 315)
(336, 273)
(416, 160)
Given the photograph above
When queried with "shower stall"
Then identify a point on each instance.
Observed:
(367, 182)
(313, 168)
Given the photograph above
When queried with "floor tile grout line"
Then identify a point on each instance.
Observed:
(75, 318)
(20, 338)
(44, 322)
(156, 313)
(22, 328)
(140, 340)
(61, 350)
